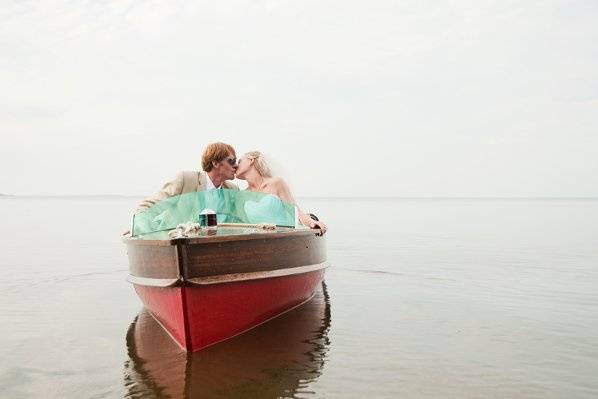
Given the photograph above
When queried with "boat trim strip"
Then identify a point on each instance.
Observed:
(229, 278)
(153, 282)
(226, 278)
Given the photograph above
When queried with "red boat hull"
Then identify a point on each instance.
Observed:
(197, 316)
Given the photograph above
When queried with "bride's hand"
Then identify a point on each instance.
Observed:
(317, 224)
(309, 220)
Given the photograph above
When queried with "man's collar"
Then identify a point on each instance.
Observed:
(209, 184)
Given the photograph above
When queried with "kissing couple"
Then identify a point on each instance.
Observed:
(220, 165)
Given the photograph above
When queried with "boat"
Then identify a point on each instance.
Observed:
(219, 282)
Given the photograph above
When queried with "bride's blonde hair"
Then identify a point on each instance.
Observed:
(260, 163)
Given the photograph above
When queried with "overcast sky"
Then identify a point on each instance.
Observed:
(350, 98)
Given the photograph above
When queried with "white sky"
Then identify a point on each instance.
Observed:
(353, 98)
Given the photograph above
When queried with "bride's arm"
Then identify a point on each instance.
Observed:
(284, 193)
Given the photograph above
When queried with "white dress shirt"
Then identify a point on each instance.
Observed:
(209, 184)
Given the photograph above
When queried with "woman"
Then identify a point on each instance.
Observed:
(253, 168)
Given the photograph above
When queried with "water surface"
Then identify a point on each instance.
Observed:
(426, 299)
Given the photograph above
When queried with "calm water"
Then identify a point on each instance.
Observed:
(426, 299)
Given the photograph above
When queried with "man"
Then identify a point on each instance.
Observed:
(219, 163)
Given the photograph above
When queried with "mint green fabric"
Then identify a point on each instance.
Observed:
(231, 206)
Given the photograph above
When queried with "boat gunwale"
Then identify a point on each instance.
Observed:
(224, 238)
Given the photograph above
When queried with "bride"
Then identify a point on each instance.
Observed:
(253, 168)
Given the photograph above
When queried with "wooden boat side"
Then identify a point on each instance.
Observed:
(149, 261)
(203, 260)
(256, 255)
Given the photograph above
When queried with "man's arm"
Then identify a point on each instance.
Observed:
(170, 189)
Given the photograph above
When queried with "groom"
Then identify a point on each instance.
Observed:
(219, 163)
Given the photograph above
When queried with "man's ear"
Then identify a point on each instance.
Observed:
(214, 164)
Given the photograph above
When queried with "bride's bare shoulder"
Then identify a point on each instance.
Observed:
(279, 187)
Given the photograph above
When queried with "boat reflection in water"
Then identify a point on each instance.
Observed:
(277, 359)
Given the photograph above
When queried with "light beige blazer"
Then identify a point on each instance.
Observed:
(185, 182)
